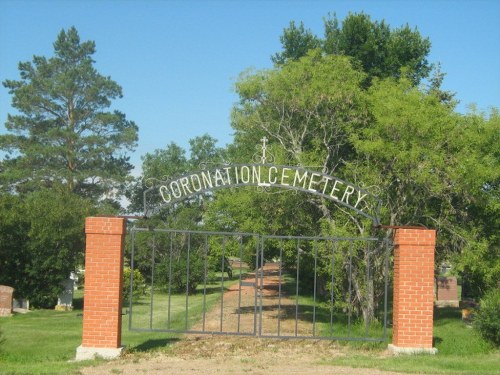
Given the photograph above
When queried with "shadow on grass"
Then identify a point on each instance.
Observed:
(443, 315)
(436, 341)
(153, 344)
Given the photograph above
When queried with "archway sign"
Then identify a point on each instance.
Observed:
(264, 175)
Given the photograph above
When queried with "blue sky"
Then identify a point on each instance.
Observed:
(177, 61)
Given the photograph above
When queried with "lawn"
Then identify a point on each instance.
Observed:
(45, 342)
(461, 350)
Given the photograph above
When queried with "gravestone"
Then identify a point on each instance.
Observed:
(65, 298)
(6, 293)
(20, 304)
(447, 292)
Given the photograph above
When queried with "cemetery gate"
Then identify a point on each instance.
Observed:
(254, 285)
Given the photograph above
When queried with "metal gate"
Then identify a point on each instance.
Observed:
(230, 283)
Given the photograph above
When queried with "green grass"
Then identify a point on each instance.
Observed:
(333, 324)
(461, 350)
(45, 342)
(177, 312)
(40, 342)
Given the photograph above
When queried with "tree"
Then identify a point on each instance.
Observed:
(171, 162)
(296, 42)
(478, 262)
(429, 165)
(41, 242)
(64, 133)
(376, 49)
(66, 159)
(160, 165)
(310, 109)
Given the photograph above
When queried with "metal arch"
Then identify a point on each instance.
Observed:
(274, 176)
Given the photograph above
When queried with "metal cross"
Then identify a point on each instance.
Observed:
(264, 148)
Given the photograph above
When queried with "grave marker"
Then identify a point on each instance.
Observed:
(6, 293)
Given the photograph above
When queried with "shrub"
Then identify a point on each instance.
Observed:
(221, 264)
(139, 286)
(487, 320)
(175, 274)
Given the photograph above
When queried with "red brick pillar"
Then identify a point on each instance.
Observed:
(413, 300)
(102, 319)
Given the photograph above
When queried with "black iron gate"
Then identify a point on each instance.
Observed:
(268, 286)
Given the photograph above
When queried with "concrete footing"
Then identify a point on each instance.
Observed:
(83, 353)
(397, 350)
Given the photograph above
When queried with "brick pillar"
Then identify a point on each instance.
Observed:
(102, 319)
(413, 299)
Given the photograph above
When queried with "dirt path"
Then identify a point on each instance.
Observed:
(230, 355)
(239, 314)
(221, 355)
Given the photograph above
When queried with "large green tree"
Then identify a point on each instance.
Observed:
(64, 133)
(376, 49)
(65, 160)
(41, 242)
(428, 164)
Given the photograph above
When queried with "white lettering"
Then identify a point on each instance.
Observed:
(300, 179)
(219, 180)
(245, 174)
(360, 198)
(228, 176)
(312, 182)
(334, 189)
(198, 181)
(236, 174)
(284, 176)
(327, 180)
(165, 195)
(184, 183)
(256, 175)
(265, 175)
(273, 171)
(347, 193)
(207, 180)
(177, 194)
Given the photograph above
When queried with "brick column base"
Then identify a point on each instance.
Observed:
(413, 298)
(102, 312)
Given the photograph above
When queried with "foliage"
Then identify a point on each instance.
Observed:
(220, 264)
(170, 162)
(14, 253)
(41, 243)
(296, 42)
(429, 165)
(139, 287)
(308, 107)
(65, 159)
(63, 134)
(181, 273)
(376, 49)
(487, 319)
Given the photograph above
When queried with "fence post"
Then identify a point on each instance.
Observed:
(413, 298)
(102, 319)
